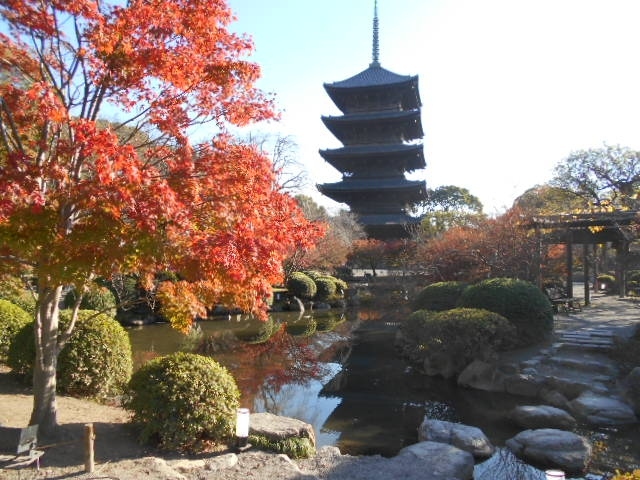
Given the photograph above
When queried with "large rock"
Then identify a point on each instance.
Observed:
(549, 447)
(435, 461)
(541, 416)
(276, 428)
(421, 461)
(600, 410)
(464, 437)
(482, 376)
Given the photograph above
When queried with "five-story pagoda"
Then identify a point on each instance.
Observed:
(380, 130)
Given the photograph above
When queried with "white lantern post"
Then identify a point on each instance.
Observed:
(242, 428)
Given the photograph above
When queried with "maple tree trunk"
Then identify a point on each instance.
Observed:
(44, 411)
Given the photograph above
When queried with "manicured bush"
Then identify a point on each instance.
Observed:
(301, 285)
(326, 288)
(95, 362)
(445, 342)
(12, 319)
(13, 290)
(22, 352)
(520, 302)
(183, 400)
(439, 296)
(96, 298)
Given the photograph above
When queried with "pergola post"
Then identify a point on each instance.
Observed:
(569, 263)
(585, 263)
(622, 250)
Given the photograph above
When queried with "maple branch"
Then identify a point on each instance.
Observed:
(12, 140)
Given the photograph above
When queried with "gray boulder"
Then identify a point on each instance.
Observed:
(541, 416)
(421, 461)
(482, 376)
(464, 437)
(435, 461)
(600, 410)
(276, 428)
(554, 398)
(551, 448)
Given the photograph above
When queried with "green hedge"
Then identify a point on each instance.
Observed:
(301, 285)
(446, 342)
(439, 296)
(326, 288)
(183, 400)
(96, 298)
(95, 362)
(13, 289)
(12, 320)
(520, 302)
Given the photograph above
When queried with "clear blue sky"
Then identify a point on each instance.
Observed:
(508, 87)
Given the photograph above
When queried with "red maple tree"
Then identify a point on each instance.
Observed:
(82, 198)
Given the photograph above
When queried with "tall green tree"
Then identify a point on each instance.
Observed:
(449, 206)
(607, 177)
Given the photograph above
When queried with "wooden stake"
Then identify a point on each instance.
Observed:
(89, 437)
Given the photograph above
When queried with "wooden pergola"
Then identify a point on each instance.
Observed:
(616, 228)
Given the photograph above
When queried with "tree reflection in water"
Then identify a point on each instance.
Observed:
(265, 356)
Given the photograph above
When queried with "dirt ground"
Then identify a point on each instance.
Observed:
(64, 456)
(118, 455)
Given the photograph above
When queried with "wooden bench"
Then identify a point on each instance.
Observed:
(18, 447)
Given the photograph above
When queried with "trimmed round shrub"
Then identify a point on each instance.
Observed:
(182, 400)
(22, 353)
(12, 319)
(520, 302)
(445, 342)
(326, 288)
(301, 286)
(97, 298)
(95, 362)
(439, 296)
(14, 289)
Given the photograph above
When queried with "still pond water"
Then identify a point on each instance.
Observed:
(337, 371)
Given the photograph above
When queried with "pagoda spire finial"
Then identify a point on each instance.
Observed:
(376, 47)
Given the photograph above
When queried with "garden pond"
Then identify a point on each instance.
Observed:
(338, 370)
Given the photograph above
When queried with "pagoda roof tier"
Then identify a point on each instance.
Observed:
(401, 189)
(406, 122)
(387, 219)
(355, 157)
(374, 80)
(386, 226)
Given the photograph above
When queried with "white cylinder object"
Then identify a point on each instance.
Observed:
(554, 475)
(242, 423)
